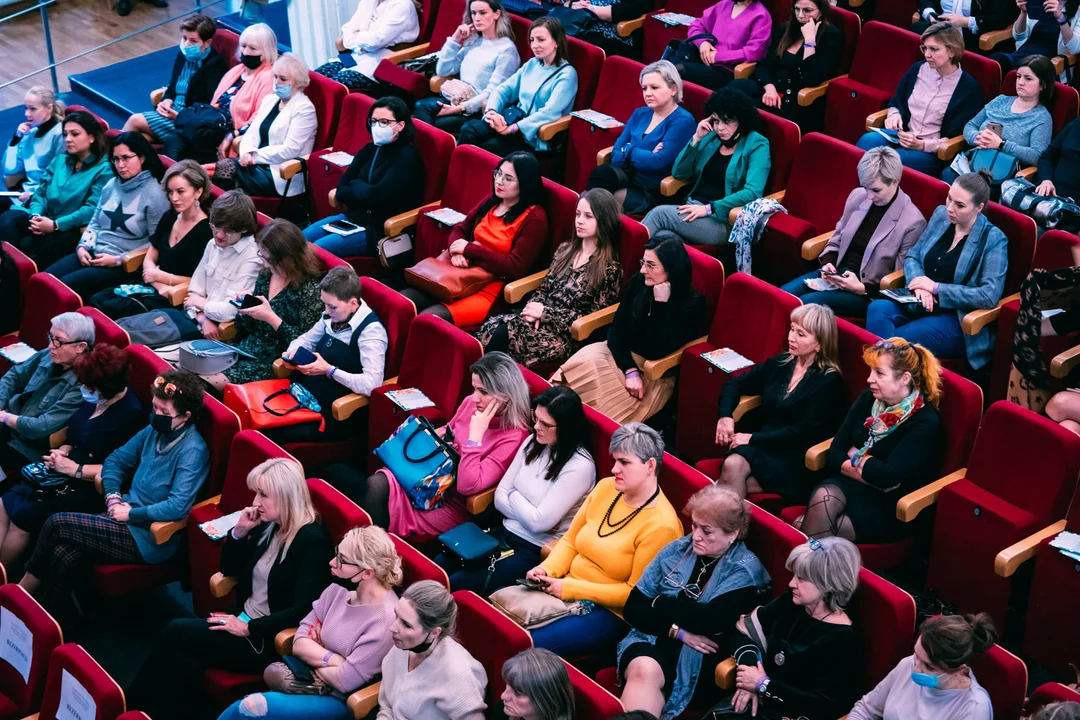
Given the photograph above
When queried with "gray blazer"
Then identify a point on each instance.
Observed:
(897, 233)
(44, 403)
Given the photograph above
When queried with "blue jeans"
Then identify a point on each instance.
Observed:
(940, 334)
(281, 706)
(576, 635)
(842, 302)
(340, 245)
(915, 159)
(507, 571)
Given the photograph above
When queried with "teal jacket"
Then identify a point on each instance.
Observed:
(68, 197)
(747, 172)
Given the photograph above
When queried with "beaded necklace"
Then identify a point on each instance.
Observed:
(606, 522)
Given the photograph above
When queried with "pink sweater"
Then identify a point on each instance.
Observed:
(739, 40)
(480, 469)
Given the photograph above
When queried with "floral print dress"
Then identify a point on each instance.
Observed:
(565, 298)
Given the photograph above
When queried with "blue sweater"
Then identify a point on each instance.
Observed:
(542, 102)
(31, 153)
(1026, 135)
(635, 149)
(163, 486)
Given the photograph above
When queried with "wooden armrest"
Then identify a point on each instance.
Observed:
(745, 70)
(550, 130)
(331, 197)
(627, 27)
(227, 331)
(988, 40)
(99, 485)
(855, 3)
(817, 455)
(815, 246)
(400, 223)
(346, 405)
(951, 148)
(283, 641)
(807, 96)
(1064, 363)
(778, 196)
(35, 716)
(221, 585)
(1061, 62)
(156, 96)
(436, 83)
(516, 291)
(57, 438)
(892, 281)
(655, 369)
(724, 675)
(282, 369)
(909, 506)
(363, 701)
(746, 404)
(586, 325)
(876, 119)
(176, 295)
(399, 56)
(1012, 557)
(669, 186)
(162, 531)
(291, 168)
(1028, 173)
(603, 157)
(133, 260)
(236, 144)
(480, 502)
(546, 549)
(976, 320)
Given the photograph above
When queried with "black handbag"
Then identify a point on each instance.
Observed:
(44, 481)
(203, 125)
(122, 306)
(574, 22)
(685, 51)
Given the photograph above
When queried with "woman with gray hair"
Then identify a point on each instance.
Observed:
(623, 523)
(879, 225)
(283, 129)
(650, 141)
(800, 654)
(537, 687)
(39, 396)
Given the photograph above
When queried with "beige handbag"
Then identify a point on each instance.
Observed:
(457, 91)
(532, 609)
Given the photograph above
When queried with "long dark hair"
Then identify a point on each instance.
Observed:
(571, 428)
(605, 208)
(141, 147)
(400, 111)
(530, 186)
(289, 252)
(792, 32)
(671, 252)
(92, 128)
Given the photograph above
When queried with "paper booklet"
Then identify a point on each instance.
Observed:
(727, 360)
(819, 285)
(341, 231)
(670, 18)
(410, 398)
(339, 158)
(220, 527)
(598, 119)
(1068, 544)
(893, 136)
(445, 216)
(18, 352)
(901, 295)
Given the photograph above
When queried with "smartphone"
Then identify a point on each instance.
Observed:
(302, 356)
(530, 583)
(994, 127)
(1036, 10)
(347, 59)
(248, 301)
(834, 272)
(299, 668)
(344, 226)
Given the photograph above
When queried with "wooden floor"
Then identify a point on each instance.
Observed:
(77, 26)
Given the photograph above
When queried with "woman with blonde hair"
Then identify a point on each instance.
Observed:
(802, 401)
(277, 554)
(343, 639)
(35, 143)
(537, 687)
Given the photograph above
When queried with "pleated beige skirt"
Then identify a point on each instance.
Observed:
(592, 373)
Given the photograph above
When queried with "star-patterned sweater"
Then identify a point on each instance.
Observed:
(127, 215)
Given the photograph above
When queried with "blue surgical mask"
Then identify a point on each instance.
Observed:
(381, 135)
(194, 52)
(283, 91)
(925, 679)
(92, 397)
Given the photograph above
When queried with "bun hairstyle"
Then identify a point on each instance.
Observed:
(952, 641)
(47, 97)
(977, 184)
(911, 358)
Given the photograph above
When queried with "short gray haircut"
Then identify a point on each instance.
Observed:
(830, 564)
(434, 606)
(263, 38)
(668, 72)
(79, 327)
(639, 440)
(880, 163)
(293, 67)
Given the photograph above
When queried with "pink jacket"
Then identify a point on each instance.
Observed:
(739, 40)
(247, 101)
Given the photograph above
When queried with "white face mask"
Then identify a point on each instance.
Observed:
(381, 135)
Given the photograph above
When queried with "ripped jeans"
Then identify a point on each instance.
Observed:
(281, 706)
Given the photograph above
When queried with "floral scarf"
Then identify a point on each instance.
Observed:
(883, 420)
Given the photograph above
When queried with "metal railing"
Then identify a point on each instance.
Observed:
(43, 7)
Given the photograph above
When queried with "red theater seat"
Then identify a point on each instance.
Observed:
(87, 684)
(46, 297)
(21, 696)
(443, 22)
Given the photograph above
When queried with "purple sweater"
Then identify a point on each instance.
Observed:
(739, 40)
(359, 633)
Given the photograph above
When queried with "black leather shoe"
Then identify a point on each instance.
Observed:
(158, 3)
(123, 8)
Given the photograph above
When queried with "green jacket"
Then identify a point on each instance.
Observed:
(747, 172)
(69, 197)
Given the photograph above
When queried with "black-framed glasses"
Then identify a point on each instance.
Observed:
(123, 158)
(545, 425)
(53, 342)
(214, 230)
(166, 387)
(342, 561)
(381, 122)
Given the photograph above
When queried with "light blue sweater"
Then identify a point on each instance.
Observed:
(553, 100)
(1026, 135)
(31, 154)
(482, 64)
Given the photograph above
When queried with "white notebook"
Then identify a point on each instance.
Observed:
(445, 216)
(220, 527)
(727, 359)
(410, 398)
(18, 352)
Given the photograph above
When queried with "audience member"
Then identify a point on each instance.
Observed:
(936, 682)
(34, 145)
(958, 265)
(537, 687)
(727, 161)
(196, 72)
(594, 560)
(344, 638)
(127, 215)
(685, 604)
(890, 444)
(164, 466)
(1058, 172)
(1057, 34)
(504, 235)
(604, 32)
(367, 38)
(487, 430)
(427, 674)
(277, 555)
(481, 52)
(933, 102)
(879, 226)
(385, 178)
(649, 143)
(1064, 710)
(729, 33)
(585, 276)
(660, 311)
(48, 226)
(971, 18)
(802, 403)
(540, 92)
(39, 396)
(108, 417)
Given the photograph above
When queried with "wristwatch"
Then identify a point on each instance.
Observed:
(78, 473)
(1064, 20)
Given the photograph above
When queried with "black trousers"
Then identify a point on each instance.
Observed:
(42, 249)
(478, 132)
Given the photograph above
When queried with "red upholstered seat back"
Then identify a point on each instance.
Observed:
(415, 566)
(633, 237)
(825, 171)
(396, 313)
(79, 108)
(437, 360)
(587, 60)
(784, 137)
(226, 42)
(885, 615)
(353, 132)
(533, 382)
(754, 316)
(218, 426)
(337, 513)
(428, 15)
(436, 148)
(105, 328)
(26, 268)
(561, 205)
(960, 411)
(591, 701)
(679, 482)
(1022, 233)
(46, 297)
(1055, 250)
(707, 277)
(1064, 107)
(884, 53)
(471, 169)
(925, 192)
(1005, 678)
(490, 637)
(248, 449)
(601, 428)
(986, 71)
(1047, 693)
(327, 96)
(329, 260)
(772, 540)
(447, 16)
(695, 97)
(45, 636)
(143, 367)
(851, 26)
(93, 681)
(851, 339)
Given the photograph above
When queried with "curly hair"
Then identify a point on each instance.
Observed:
(104, 368)
(189, 393)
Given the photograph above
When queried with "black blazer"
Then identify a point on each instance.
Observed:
(203, 83)
(294, 584)
(381, 182)
(989, 14)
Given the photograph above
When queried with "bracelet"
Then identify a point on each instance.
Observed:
(680, 635)
(326, 658)
(113, 501)
(673, 631)
(762, 684)
(330, 372)
(810, 44)
(633, 373)
(116, 495)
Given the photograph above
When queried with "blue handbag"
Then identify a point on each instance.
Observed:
(424, 464)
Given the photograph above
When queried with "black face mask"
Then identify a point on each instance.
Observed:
(251, 62)
(161, 423)
(349, 584)
(731, 142)
(422, 647)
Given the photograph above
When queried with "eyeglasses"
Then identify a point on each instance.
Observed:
(649, 264)
(887, 345)
(381, 122)
(498, 174)
(343, 561)
(225, 233)
(548, 426)
(123, 158)
(166, 387)
(804, 11)
(931, 48)
(53, 342)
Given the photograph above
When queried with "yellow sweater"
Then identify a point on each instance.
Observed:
(605, 569)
